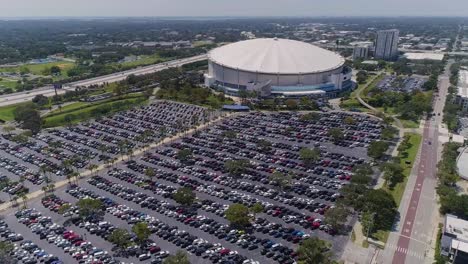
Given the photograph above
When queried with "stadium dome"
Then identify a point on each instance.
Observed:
(275, 66)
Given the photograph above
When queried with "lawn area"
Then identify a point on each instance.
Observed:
(80, 112)
(352, 102)
(415, 141)
(145, 60)
(6, 112)
(37, 69)
(69, 107)
(409, 123)
(8, 83)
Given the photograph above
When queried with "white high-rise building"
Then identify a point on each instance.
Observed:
(386, 44)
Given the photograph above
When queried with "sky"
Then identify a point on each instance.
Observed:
(158, 8)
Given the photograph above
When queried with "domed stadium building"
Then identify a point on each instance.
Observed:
(276, 67)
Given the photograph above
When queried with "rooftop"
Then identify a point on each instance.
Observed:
(456, 227)
(424, 56)
(276, 56)
(462, 167)
(462, 84)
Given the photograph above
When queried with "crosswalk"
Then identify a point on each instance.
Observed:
(406, 251)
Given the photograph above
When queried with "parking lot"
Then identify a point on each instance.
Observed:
(401, 83)
(269, 142)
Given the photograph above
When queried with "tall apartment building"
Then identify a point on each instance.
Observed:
(386, 44)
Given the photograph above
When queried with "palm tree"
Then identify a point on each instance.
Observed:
(15, 200)
(92, 167)
(43, 170)
(51, 187)
(25, 199)
(69, 176)
(44, 189)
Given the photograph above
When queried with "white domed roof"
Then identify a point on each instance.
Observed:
(276, 56)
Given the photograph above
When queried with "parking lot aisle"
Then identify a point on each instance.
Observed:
(137, 152)
(197, 232)
(119, 223)
(29, 235)
(217, 218)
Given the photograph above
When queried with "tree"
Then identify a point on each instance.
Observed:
(236, 167)
(148, 92)
(349, 120)
(238, 215)
(256, 209)
(309, 156)
(55, 70)
(310, 117)
(362, 174)
(89, 207)
(336, 217)
(9, 129)
(149, 172)
(231, 134)
(120, 237)
(377, 149)
(313, 251)
(6, 248)
(40, 100)
(264, 144)
(336, 134)
(179, 258)
(389, 132)
(281, 180)
(393, 173)
(184, 196)
(184, 155)
(383, 205)
(361, 77)
(291, 104)
(64, 208)
(120, 89)
(141, 231)
(28, 117)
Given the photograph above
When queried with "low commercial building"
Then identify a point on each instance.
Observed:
(462, 164)
(454, 242)
(424, 56)
(360, 52)
(462, 90)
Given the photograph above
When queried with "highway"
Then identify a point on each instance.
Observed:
(20, 97)
(412, 240)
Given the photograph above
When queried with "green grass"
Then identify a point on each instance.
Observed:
(145, 60)
(381, 235)
(409, 123)
(8, 83)
(37, 69)
(6, 112)
(84, 112)
(415, 141)
(68, 108)
(352, 102)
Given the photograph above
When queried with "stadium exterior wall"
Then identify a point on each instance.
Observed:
(241, 78)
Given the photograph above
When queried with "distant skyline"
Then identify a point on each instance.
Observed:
(217, 8)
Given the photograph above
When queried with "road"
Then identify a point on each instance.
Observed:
(412, 240)
(115, 77)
